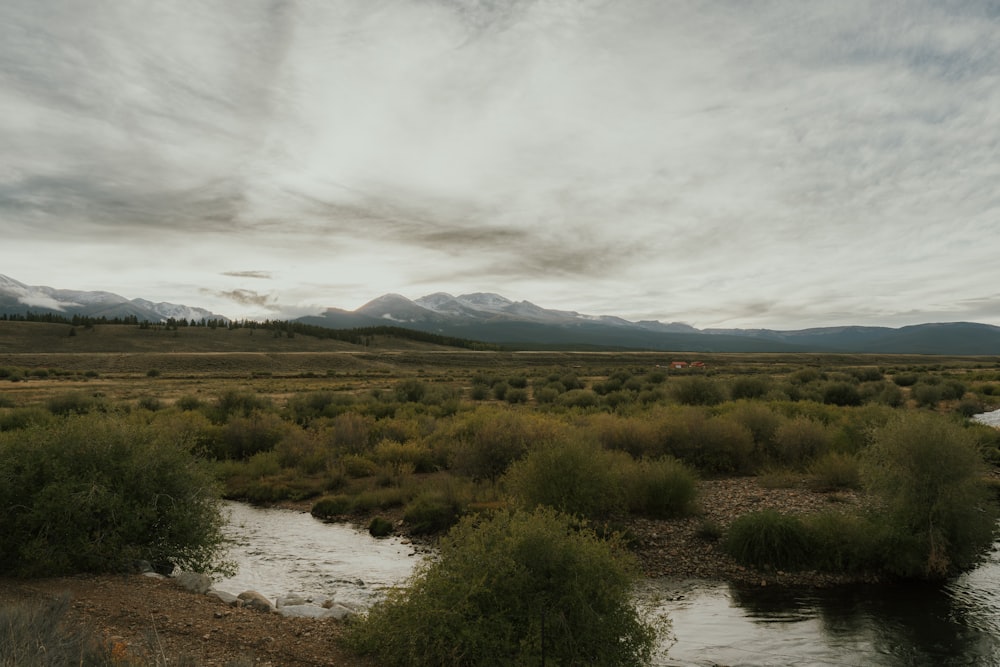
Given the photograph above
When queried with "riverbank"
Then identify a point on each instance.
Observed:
(157, 617)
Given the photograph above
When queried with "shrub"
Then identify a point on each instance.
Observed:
(513, 589)
(331, 507)
(488, 441)
(379, 527)
(242, 403)
(72, 403)
(188, 403)
(410, 391)
(835, 470)
(697, 390)
(846, 543)
(516, 395)
(713, 445)
(769, 540)
(841, 393)
(94, 493)
(929, 474)
(927, 395)
(637, 436)
(432, 512)
(578, 398)
(19, 418)
(753, 386)
(799, 441)
(242, 437)
(761, 421)
(571, 475)
(661, 489)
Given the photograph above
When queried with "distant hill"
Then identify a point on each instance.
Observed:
(494, 319)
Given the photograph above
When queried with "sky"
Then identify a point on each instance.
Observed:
(726, 163)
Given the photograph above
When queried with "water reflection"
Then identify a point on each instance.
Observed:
(281, 551)
(892, 625)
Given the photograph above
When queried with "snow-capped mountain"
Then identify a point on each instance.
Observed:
(16, 298)
(492, 318)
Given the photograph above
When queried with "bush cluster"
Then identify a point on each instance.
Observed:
(517, 588)
(94, 493)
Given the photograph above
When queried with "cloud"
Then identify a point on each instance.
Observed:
(715, 162)
(248, 298)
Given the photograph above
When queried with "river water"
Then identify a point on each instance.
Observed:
(712, 623)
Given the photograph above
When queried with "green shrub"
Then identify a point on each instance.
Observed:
(799, 441)
(905, 379)
(489, 440)
(332, 507)
(661, 489)
(846, 543)
(769, 540)
(188, 403)
(572, 475)
(379, 527)
(834, 471)
(242, 437)
(697, 390)
(927, 395)
(94, 493)
(713, 445)
(637, 436)
(749, 386)
(19, 418)
(841, 393)
(578, 398)
(72, 403)
(358, 466)
(512, 589)
(929, 473)
(302, 450)
(238, 403)
(516, 395)
(432, 512)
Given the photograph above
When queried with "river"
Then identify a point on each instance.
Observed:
(712, 623)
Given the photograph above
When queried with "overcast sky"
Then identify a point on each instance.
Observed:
(780, 164)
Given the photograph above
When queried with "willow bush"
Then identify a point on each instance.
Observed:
(522, 588)
(94, 493)
(929, 472)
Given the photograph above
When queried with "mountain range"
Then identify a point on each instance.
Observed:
(493, 318)
(16, 298)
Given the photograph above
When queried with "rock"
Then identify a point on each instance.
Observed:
(228, 598)
(309, 611)
(291, 600)
(255, 601)
(339, 611)
(193, 581)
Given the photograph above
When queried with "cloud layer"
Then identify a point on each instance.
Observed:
(782, 164)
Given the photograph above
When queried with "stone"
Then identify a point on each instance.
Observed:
(225, 597)
(290, 600)
(255, 601)
(307, 611)
(194, 581)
